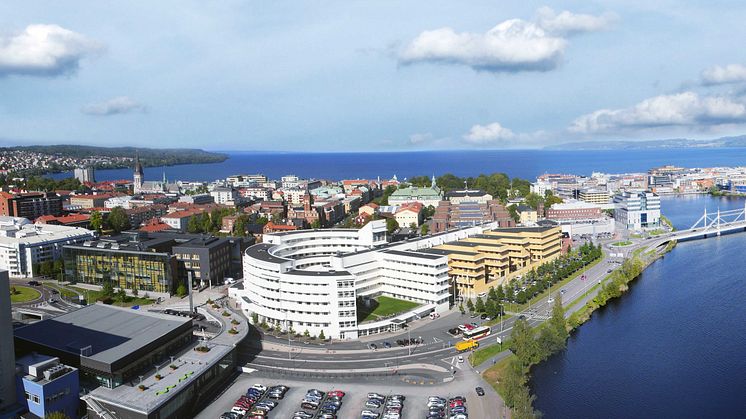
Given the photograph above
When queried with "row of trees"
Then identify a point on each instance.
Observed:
(117, 220)
(530, 347)
(614, 287)
(211, 222)
(535, 281)
(499, 185)
(49, 268)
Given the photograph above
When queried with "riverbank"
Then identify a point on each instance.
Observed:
(510, 376)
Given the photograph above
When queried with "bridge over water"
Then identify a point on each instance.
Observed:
(709, 225)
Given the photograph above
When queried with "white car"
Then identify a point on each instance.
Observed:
(460, 359)
(260, 387)
(482, 294)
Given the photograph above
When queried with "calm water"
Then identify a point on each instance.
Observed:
(674, 346)
(525, 164)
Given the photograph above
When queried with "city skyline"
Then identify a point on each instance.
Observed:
(369, 77)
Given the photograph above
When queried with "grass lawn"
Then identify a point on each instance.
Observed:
(382, 307)
(23, 294)
(93, 296)
(494, 374)
(622, 243)
(480, 355)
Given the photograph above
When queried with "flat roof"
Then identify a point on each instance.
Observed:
(414, 254)
(446, 252)
(260, 251)
(111, 332)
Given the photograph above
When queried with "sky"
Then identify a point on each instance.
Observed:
(369, 75)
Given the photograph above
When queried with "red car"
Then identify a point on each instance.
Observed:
(336, 393)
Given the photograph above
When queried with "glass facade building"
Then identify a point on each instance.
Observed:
(146, 271)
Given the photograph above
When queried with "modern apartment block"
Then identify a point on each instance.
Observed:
(156, 262)
(24, 245)
(30, 205)
(492, 258)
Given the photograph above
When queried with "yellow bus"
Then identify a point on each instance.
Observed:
(467, 345)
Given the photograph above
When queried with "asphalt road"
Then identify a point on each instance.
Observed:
(437, 348)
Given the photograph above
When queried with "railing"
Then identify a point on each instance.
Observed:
(100, 410)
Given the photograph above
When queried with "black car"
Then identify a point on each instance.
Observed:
(480, 391)
(34, 283)
(483, 316)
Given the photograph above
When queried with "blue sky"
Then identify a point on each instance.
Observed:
(364, 75)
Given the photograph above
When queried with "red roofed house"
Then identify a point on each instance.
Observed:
(72, 220)
(271, 227)
(370, 208)
(409, 213)
(154, 225)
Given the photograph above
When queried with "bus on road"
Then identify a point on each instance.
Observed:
(477, 333)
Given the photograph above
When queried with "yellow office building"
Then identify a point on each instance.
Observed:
(485, 260)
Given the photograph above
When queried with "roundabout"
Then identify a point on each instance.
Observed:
(20, 294)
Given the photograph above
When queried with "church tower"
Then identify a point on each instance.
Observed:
(137, 175)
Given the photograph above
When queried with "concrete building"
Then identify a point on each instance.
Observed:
(30, 205)
(85, 174)
(639, 210)
(46, 385)
(449, 216)
(154, 262)
(92, 200)
(7, 351)
(136, 364)
(24, 245)
(595, 196)
(468, 195)
(117, 201)
(225, 195)
(486, 260)
(527, 215)
(198, 199)
(409, 214)
(573, 210)
(425, 196)
(315, 279)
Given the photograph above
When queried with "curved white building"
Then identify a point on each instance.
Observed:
(311, 279)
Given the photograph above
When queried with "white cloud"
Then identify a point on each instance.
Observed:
(512, 46)
(731, 73)
(44, 50)
(116, 106)
(490, 133)
(415, 139)
(685, 109)
(568, 23)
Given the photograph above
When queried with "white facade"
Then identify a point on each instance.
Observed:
(311, 279)
(290, 182)
(637, 210)
(224, 196)
(23, 244)
(84, 174)
(118, 201)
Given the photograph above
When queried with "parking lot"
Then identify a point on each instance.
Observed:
(414, 405)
